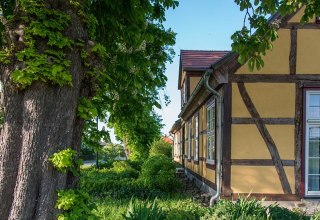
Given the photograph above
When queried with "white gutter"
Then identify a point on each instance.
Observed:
(217, 95)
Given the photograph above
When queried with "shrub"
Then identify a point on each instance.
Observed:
(144, 211)
(316, 216)
(243, 209)
(183, 209)
(75, 204)
(160, 147)
(158, 172)
(116, 182)
(279, 213)
(124, 167)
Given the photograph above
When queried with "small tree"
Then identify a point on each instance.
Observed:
(160, 147)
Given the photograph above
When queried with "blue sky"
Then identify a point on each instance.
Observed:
(200, 25)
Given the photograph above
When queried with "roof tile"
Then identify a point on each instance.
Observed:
(199, 59)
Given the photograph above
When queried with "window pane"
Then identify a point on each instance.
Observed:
(314, 134)
(314, 100)
(314, 106)
(313, 181)
(314, 166)
(314, 146)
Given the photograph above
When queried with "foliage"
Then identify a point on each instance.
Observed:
(138, 46)
(110, 151)
(160, 147)
(50, 65)
(316, 216)
(116, 182)
(180, 207)
(279, 213)
(76, 205)
(243, 209)
(65, 161)
(92, 136)
(175, 207)
(144, 211)
(250, 46)
(138, 137)
(158, 172)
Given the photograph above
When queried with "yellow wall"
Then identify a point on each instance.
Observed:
(308, 51)
(283, 136)
(277, 60)
(272, 100)
(262, 179)
(194, 80)
(247, 143)
(297, 17)
(238, 107)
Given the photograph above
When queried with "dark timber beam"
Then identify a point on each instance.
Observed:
(226, 141)
(275, 78)
(298, 138)
(293, 52)
(259, 162)
(267, 138)
(270, 121)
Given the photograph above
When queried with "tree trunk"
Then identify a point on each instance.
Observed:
(38, 122)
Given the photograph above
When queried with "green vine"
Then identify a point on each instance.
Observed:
(76, 205)
(65, 161)
(50, 65)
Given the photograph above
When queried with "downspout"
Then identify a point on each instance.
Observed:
(217, 95)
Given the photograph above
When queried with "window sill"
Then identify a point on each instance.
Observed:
(210, 165)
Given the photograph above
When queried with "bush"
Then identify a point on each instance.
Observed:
(124, 167)
(144, 211)
(183, 209)
(117, 182)
(279, 213)
(160, 147)
(158, 172)
(75, 204)
(243, 209)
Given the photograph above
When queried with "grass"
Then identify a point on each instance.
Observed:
(176, 207)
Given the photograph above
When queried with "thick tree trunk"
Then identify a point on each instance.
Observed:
(39, 121)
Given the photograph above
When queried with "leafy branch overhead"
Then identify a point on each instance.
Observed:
(257, 34)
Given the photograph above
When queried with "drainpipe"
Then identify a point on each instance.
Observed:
(217, 95)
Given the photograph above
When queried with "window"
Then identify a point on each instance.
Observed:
(312, 143)
(189, 140)
(196, 138)
(211, 130)
(183, 94)
(177, 149)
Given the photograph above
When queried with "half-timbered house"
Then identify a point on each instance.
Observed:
(268, 127)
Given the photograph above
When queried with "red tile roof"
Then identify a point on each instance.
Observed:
(167, 139)
(199, 59)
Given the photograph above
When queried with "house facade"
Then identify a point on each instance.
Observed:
(270, 119)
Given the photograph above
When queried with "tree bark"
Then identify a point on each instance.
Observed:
(38, 122)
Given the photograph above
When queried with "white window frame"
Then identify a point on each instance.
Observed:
(189, 139)
(196, 138)
(309, 122)
(211, 130)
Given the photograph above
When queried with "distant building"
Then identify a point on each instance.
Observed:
(167, 139)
